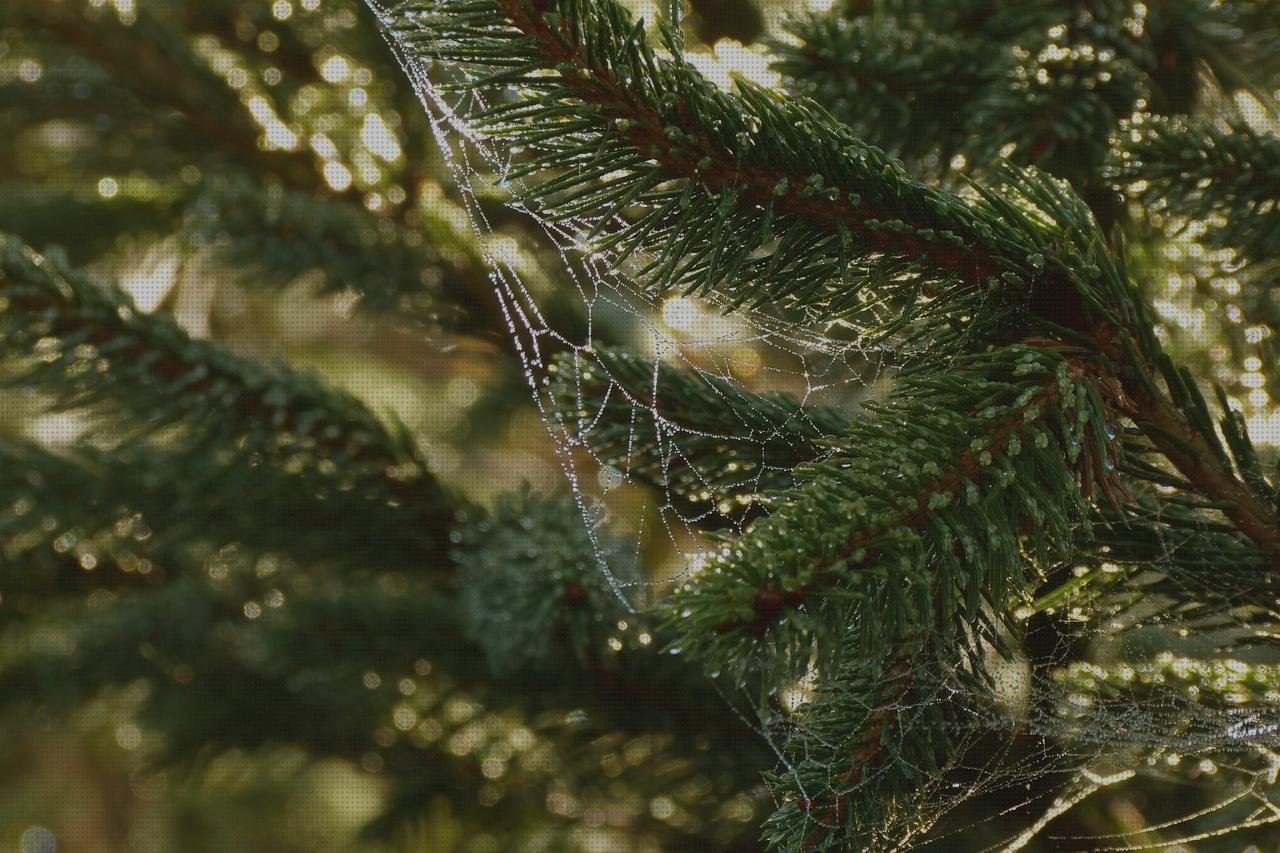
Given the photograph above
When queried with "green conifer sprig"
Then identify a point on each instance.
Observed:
(1040, 83)
(88, 346)
(807, 216)
(1056, 112)
(869, 752)
(911, 509)
(711, 447)
(1179, 536)
(1229, 177)
(1209, 582)
(896, 82)
(1184, 712)
(532, 583)
(1163, 680)
(1181, 427)
(871, 748)
(270, 237)
(547, 565)
(138, 516)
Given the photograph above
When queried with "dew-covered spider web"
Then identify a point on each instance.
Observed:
(1123, 722)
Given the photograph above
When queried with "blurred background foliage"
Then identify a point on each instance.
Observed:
(260, 171)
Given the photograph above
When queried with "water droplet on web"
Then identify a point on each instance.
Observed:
(611, 478)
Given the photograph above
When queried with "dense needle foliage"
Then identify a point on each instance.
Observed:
(1021, 561)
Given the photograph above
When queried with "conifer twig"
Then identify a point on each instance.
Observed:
(1195, 458)
(647, 131)
(163, 376)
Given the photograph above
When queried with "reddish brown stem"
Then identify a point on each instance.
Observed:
(1252, 515)
(868, 754)
(1185, 447)
(768, 603)
(647, 133)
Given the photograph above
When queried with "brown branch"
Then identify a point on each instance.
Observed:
(1184, 446)
(647, 133)
(867, 756)
(769, 603)
(1193, 457)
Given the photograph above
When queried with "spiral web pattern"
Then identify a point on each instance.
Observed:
(1196, 732)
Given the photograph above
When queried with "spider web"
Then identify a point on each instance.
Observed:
(1179, 749)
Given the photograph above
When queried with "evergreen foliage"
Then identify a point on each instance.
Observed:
(539, 552)
(276, 236)
(976, 197)
(1230, 178)
(244, 557)
(640, 132)
(912, 81)
(1041, 84)
(911, 522)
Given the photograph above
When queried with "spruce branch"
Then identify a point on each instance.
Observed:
(869, 750)
(531, 578)
(1181, 427)
(88, 346)
(1196, 171)
(612, 128)
(165, 96)
(1039, 83)
(1181, 707)
(895, 83)
(332, 658)
(1160, 685)
(271, 235)
(609, 128)
(1180, 538)
(928, 495)
(1056, 113)
(139, 516)
(1188, 450)
(159, 64)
